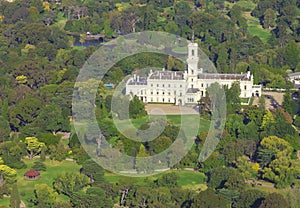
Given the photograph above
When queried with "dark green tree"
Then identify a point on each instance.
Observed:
(14, 197)
(274, 200)
(208, 199)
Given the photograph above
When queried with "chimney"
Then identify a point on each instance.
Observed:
(248, 74)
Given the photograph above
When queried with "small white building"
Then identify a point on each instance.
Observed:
(295, 79)
(186, 87)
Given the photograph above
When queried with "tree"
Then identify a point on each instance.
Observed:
(25, 112)
(235, 181)
(59, 152)
(39, 166)
(250, 198)
(208, 199)
(12, 153)
(233, 98)
(159, 145)
(269, 18)
(141, 165)
(51, 119)
(93, 170)
(282, 171)
(45, 196)
(182, 9)
(14, 197)
(281, 147)
(7, 175)
(33, 146)
(292, 54)
(222, 59)
(70, 182)
(136, 108)
(274, 200)
(246, 167)
(167, 180)
(218, 177)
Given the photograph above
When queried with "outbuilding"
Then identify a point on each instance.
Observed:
(32, 174)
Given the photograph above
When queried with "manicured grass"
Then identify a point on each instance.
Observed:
(175, 119)
(190, 178)
(54, 168)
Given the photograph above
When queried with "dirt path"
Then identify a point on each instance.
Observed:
(170, 109)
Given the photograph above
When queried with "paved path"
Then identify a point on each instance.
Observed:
(273, 99)
(169, 109)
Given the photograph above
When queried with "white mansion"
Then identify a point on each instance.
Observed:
(186, 87)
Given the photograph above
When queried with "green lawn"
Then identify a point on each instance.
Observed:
(186, 179)
(175, 119)
(54, 168)
(190, 178)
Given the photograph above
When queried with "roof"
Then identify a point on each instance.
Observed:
(192, 90)
(223, 76)
(167, 75)
(294, 74)
(138, 81)
(32, 173)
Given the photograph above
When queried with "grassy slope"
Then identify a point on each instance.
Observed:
(255, 28)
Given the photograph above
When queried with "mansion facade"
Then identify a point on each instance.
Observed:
(186, 87)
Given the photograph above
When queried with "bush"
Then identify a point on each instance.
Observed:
(39, 166)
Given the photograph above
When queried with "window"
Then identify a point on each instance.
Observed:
(245, 87)
(151, 92)
(157, 85)
(163, 100)
(192, 86)
(192, 71)
(169, 85)
(180, 94)
(193, 52)
(169, 93)
(163, 85)
(192, 80)
(151, 85)
(163, 93)
(202, 85)
(180, 85)
(157, 92)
